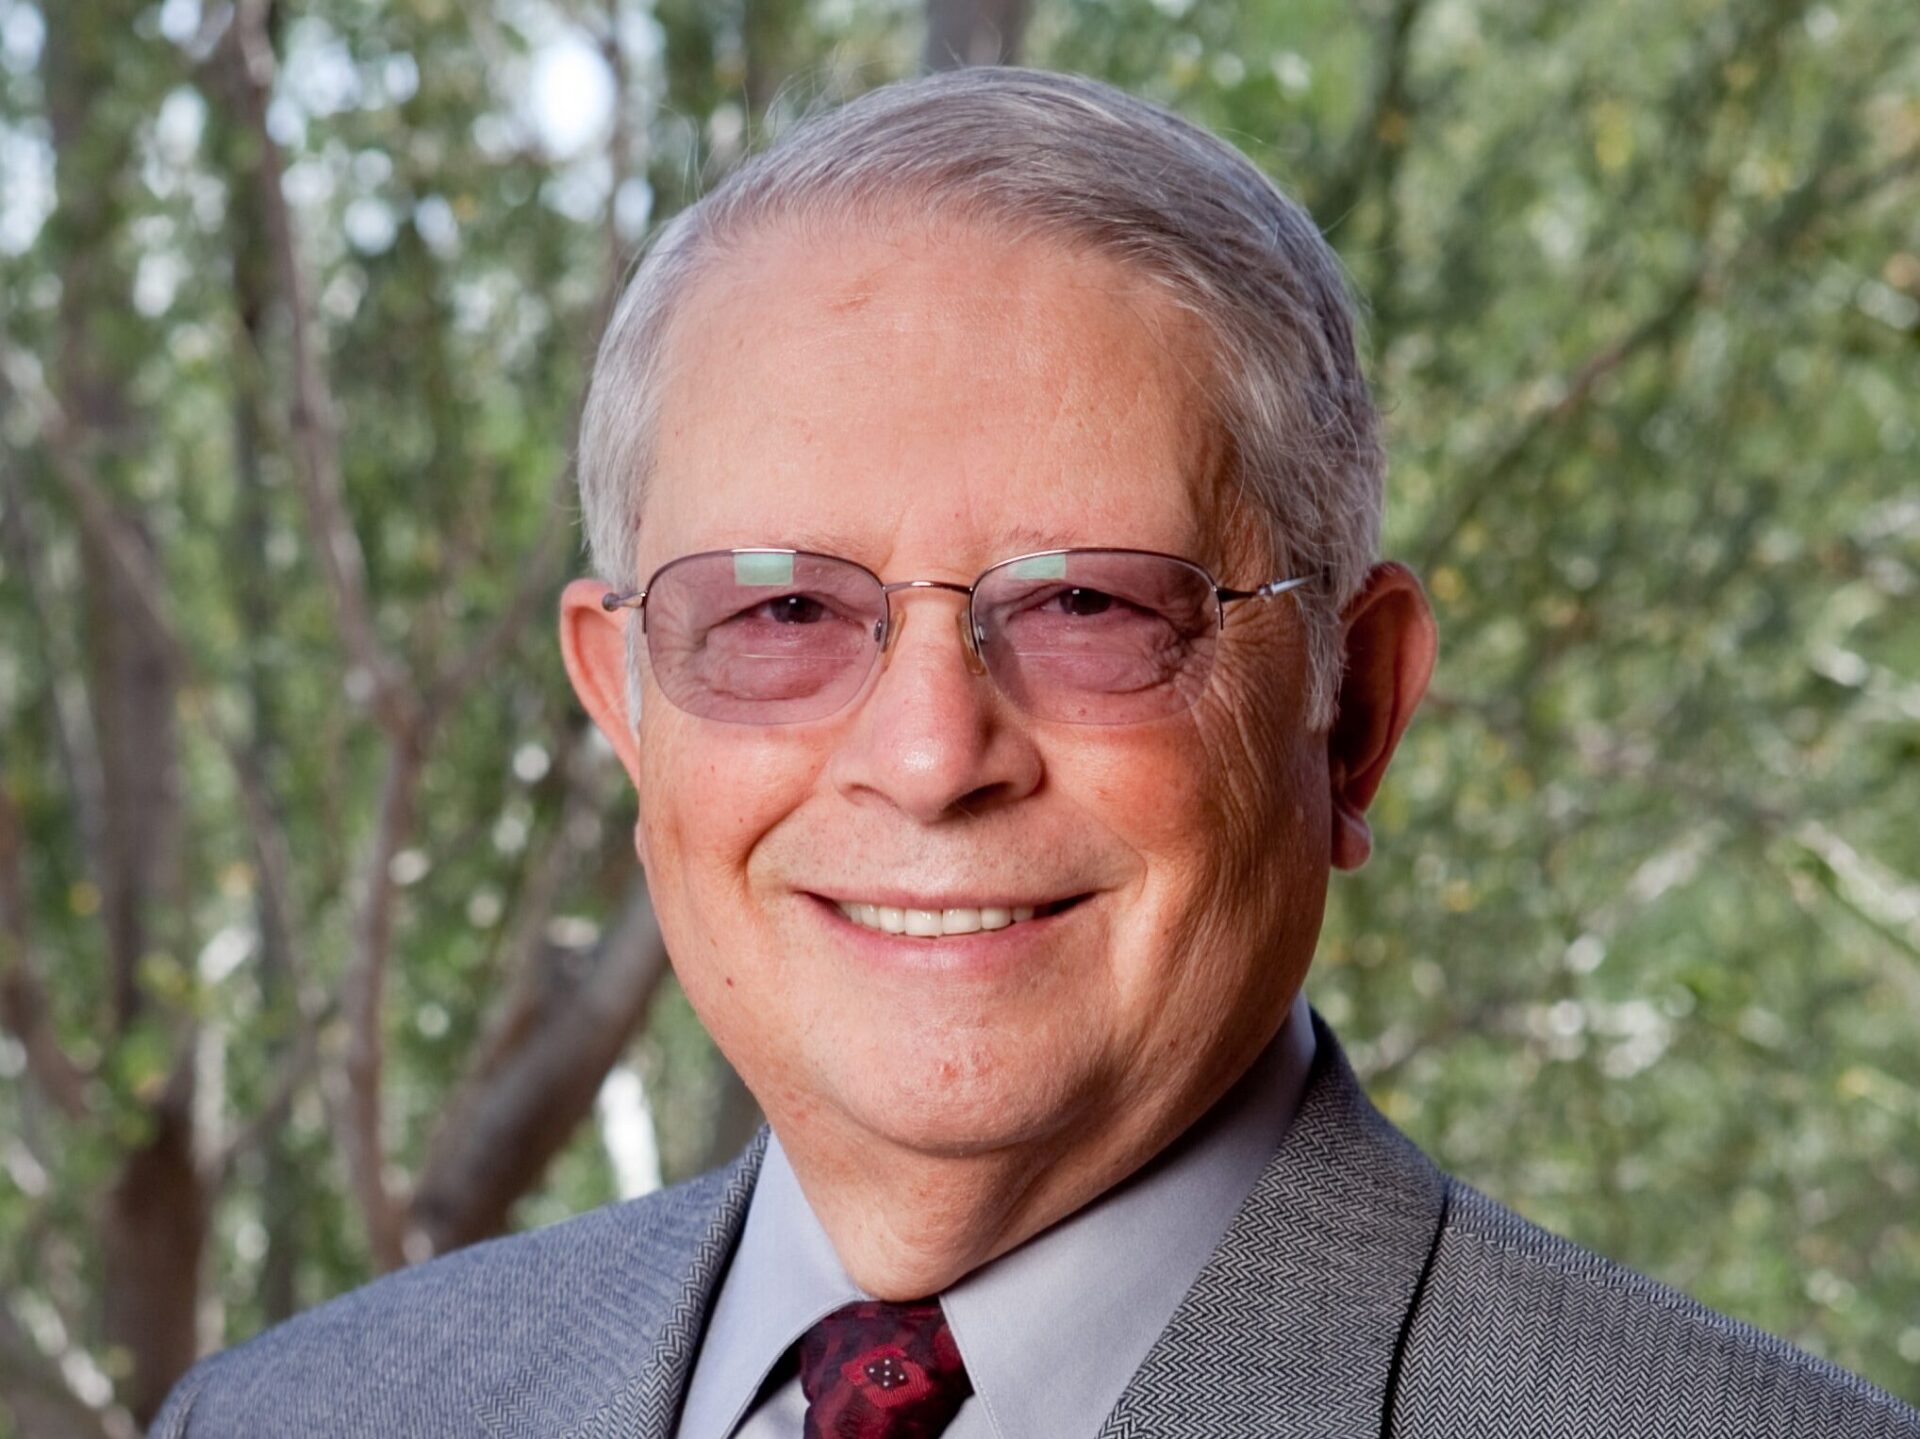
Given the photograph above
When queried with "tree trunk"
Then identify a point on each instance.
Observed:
(155, 1214)
(259, 610)
(153, 1233)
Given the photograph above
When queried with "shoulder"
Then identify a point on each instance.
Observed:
(1518, 1329)
(411, 1353)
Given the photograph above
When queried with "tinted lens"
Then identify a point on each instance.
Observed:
(762, 637)
(1098, 636)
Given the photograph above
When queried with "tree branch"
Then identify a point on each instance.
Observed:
(362, 992)
(96, 510)
(539, 580)
(1817, 198)
(1573, 394)
(522, 988)
(505, 1125)
(549, 1043)
(1386, 122)
(37, 1395)
(74, 743)
(540, 573)
(313, 418)
(300, 1064)
(24, 1007)
(401, 716)
(99, 518)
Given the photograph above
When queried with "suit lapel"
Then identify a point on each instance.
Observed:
(1293, 1326)
(619, 1351)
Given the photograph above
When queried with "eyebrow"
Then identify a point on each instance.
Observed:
(1022, 538)
(1017, 539)
(819, 541)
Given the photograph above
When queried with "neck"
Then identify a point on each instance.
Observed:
(907, 1225)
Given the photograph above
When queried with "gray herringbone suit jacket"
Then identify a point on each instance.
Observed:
(1360, 1292)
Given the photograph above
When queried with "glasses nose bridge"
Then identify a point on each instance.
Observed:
(969, 641)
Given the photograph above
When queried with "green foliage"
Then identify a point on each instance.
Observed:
(1639, 951)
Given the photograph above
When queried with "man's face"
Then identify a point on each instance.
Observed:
(926, 404)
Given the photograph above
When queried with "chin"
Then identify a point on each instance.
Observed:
(964, 1101)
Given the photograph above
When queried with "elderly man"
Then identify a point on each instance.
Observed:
(990, 494)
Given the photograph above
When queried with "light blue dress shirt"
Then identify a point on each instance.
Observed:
(1052, 1331)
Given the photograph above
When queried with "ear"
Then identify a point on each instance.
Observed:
(1390, 643)
(593, 646)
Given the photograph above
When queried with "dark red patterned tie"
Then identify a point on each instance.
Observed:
(881, 1371)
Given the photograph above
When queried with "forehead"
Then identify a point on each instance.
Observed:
(942, 392)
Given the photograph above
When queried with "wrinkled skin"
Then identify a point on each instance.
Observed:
(927, 402)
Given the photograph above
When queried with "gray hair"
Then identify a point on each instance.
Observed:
(1069, 158)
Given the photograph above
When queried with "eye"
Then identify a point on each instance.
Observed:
(794, 610)
(1084, 602)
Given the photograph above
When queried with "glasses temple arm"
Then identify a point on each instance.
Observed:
(1262, 592)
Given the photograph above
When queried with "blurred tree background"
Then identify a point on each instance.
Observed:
(321, 943)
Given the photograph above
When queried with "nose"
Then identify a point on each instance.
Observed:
(934, 738)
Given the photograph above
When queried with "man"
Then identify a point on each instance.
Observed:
(997, 647)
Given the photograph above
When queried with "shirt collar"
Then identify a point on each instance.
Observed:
(1050, 1332)
(785, 1278)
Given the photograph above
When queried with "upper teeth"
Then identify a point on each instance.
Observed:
(934, 922)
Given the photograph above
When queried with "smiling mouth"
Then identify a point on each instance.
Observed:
(938, 923)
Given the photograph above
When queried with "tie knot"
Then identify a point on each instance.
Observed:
(881, 1371)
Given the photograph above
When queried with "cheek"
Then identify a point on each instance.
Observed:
(1206, 804)
(1269, 796)
(1230, 831)
(1271, 769)
(1154, 796)
(708, 794)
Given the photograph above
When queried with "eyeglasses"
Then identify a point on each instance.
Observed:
(773, 636)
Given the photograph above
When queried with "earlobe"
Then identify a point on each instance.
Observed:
(1391, 643)
(593, 648)
(1352, 838)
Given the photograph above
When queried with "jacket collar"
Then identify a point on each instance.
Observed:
(615, 1349)
(1292, 1327)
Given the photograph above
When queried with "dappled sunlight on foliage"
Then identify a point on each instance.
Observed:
(312, 871)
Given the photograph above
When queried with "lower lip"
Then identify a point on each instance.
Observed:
(981, 950)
